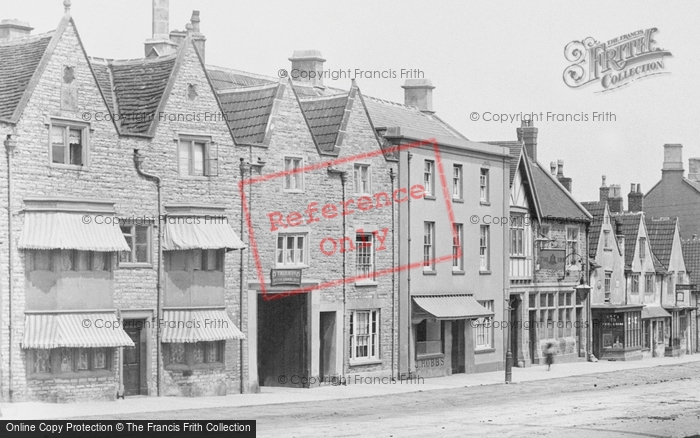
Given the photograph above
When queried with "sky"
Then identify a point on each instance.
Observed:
(500, 57)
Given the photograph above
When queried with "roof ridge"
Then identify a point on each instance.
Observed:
(322, 97)
(241, 72)
(143, 60)
(247, 88)
(27, 39)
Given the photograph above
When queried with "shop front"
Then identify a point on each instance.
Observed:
(655, 321)
(617, 332)
(678, 334)
(448, 332)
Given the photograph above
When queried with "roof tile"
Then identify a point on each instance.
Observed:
(248, 110)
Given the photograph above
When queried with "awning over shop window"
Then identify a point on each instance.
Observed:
(73, 330)
(83, 232)
(199, 233)
(654, 312)
(200, 325)
(452, 306)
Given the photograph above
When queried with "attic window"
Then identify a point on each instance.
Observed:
(191, 92)
(68, 75)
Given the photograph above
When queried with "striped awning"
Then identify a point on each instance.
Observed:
(452, 306)
(649, 312)
(73, 330)
(199, 233)
(84, 232)
(200, 325)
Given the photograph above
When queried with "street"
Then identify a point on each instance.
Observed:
(662, 403)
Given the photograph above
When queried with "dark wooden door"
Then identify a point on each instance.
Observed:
(532, 338)
(458, 346)
(326, 355)
(132, 363)
(282, 341)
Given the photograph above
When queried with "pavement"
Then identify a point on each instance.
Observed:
(353, 389)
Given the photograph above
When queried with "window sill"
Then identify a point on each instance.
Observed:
(484, 272)
(607, 249)
(69, 166)
(366, 283)
(195, 177)
(430, 197)
(278, 266)
(364, 362)
(431, 272)
(199, 366)
(430, 356)
(135, 265)
(458, 272)
(293, 191)
(484, 350)
(71, 375)
(458, 200)
(485, 203)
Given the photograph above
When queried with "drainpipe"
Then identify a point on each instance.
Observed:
(343, 178)
(392, 176)
(10, 146)
(589, 330)
(408, 271)
(138, 161)
(240, 292)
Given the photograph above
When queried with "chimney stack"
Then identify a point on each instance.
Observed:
(673, 158)
(553, 168)
(527, 133)
(307, 66)
(159, 44)
(10, 29)
(615, 199)
(635, 199)
(197, 36)
(604, 191)
(419, 93)
(566, 182)
(620, 236)
(694, 169)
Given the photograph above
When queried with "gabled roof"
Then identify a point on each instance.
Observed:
(248, 111)
(629, 227)
(386, 114)
(555, 200)
(691, 255)
(19, 59)
(134, 89)
(325, 118)
(661, 233)
(597, 210)
(515, 148)
(225, 78)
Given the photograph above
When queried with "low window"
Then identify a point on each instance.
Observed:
(194, 354)
(68, 260)
(59, 361)
(484, 329)
(364, 332)
(634, 286)
(68, 144)
(194, 260)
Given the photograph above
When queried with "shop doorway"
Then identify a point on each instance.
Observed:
(327, 347)
(458, 365)
(282, 341)
(134, 359)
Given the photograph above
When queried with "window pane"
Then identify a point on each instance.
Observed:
(289, 250)
(99, 261)
(177, 353)
(198, 159)
(42, 260)
(299, 257)
(42, 361)
(65, 358)
(213, 352)
(58, 146)
(83, 359)
(99, 356)
(198, 354)
(141, 244)
(197, 259)
(280, 249)
(76, 147)
(184, 153)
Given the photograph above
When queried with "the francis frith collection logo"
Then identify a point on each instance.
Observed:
(615, 63)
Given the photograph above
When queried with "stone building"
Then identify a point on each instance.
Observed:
(104, 173)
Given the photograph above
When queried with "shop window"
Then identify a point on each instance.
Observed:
(208, 260)
(429, 338)
(68, 362)
(194, 355)
(484, 329)
(68, 260)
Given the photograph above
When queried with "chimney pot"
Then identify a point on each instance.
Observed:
(10, 29)
(604, 191)
(615, 199)
(419, 93)
(560, 167)
(639, 188)
(305, 62)
(195, 21)
(635, 199)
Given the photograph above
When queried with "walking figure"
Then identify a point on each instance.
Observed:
(549, 354)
